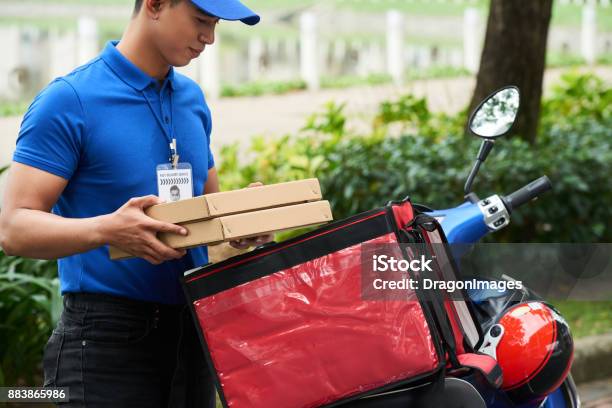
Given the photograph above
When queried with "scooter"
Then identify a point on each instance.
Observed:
(467, 224)
(471, 221)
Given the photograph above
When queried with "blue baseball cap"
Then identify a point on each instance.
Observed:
(228, 10)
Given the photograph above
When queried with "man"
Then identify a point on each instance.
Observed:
(89, 149)
(175, 193)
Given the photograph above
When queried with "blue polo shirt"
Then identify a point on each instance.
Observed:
(105, 127)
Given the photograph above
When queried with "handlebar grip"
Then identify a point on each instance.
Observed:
(527, 193)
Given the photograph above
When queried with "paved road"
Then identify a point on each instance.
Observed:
(238, 119)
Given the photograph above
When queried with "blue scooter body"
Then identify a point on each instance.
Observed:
(462, 224)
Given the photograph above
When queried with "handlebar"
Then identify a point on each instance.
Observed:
(527, 193)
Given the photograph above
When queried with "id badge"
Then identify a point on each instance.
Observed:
(174, 184)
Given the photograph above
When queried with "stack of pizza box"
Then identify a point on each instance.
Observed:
(231, 215)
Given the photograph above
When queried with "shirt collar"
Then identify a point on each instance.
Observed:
(128, 72)
(170, 78)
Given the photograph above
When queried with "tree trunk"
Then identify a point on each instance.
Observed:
(515, 54)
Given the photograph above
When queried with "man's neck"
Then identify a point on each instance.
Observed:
(136, 48)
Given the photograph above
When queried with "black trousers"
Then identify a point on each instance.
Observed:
(116, 352)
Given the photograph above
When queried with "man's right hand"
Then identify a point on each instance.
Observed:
(131, 230)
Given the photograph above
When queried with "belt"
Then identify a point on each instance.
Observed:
(103, 303)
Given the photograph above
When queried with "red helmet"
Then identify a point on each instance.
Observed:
(534, 348)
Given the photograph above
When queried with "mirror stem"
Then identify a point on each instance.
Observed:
(468, 184)
(485, 148)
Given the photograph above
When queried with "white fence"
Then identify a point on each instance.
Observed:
(33, 57)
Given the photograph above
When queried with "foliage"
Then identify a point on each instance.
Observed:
(10, 108)
(353, 80)
(262, 87)
(605, 59)
(586, 318)
(578, 98)
(30, 305)
(259, 88)
(412, 151)
(436, 71)
(561, 59)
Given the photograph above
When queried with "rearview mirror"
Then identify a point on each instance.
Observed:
(495, 116)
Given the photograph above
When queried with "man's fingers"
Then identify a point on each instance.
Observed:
(146, 253)
(264, 239)
(145, 201)
(164, 251)
(155, 258)
(160, 250)
(260, 240)
(256, 184)
(160, 226)
(239, 244)
(252, 241)
(151, 260)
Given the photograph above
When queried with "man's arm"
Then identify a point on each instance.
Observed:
(212, 183)
(27, 228)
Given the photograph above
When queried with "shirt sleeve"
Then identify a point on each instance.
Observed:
(52, 130)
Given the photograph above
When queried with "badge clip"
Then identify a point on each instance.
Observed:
(174, 157)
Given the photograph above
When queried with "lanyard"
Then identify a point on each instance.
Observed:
(174, 157)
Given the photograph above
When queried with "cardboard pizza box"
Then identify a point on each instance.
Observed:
(237, 201)
(243, 225)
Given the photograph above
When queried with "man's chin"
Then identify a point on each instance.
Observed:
(181, 63)
(180, 60)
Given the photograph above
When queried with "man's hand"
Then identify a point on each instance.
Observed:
(253, 241)
(131, 230)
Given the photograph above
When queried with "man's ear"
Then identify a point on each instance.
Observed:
(153, 7)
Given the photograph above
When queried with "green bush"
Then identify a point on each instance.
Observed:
(437, 71)
(262, 88)
(586, 318)
(12, 108)
(605, 59)
(259, 88)
(578, 98)
(354, 80)
(30, 305)
(560, 59)
(412, 151)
